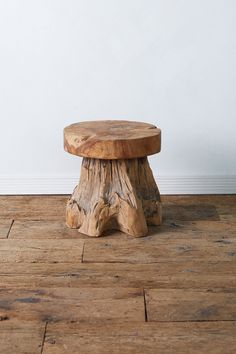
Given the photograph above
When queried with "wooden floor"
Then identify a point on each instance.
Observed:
(173, 291)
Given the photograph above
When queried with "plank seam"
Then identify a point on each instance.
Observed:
(154, 262)
(82, 255)
(191, 321)
(10, 228)
(44, 336)
(145, 305)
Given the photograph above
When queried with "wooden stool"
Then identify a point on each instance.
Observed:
(117, 189)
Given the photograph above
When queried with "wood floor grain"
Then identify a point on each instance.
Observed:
(173, 291)
(31, 251)
(52, 229)
(73, 304)
(184, 275)
(5, 226)
(21, 337)
(191, 305)
(157, 250)
(149, 337)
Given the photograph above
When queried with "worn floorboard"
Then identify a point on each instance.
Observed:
(154, 250)
(191, 274)
(191, 305)
(5, 226)
(150, 338)
(73, 304)
(21, 337)
(173, 291)
(31, 251)
(51, 229)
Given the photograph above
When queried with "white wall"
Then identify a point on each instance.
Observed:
(171, 63)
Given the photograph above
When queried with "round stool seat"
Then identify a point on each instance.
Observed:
(112, 139)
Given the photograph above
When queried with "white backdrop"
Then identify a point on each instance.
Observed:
(171, 63)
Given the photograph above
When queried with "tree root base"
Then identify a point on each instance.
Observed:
(114, 194)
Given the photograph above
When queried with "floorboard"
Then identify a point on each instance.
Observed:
(5, 226)
(156, 250)
(51, 229)
(73, 304)
(21, 337)
(173, 291)
(191, 274)
(150, 338)
(31, 251)
(191, 305)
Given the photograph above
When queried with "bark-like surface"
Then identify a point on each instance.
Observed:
(114, 194)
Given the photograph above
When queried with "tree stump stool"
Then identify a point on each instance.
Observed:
(116, 189)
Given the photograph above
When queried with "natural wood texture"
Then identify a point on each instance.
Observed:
(73, 304)
(5, 226)
(175, 208)
(158, 250)
(38, 251)
(191, 212)
(141, 338)
(112, 139)
(191, 305)
(190, 274)
(114, 194)
(21, 337)
(184, 270)
(44, 229)
(116, 188)
(31, 207)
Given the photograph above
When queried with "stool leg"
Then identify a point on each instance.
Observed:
(114, 194)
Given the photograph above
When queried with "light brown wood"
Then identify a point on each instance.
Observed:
(33, 207)
(5, 226)
(51, 229)
(114, 194)
(43, 229)
(116, 189)
(141, 338)
(73, 304)
(193, 208)
(190, 305)
(21, 337)
(112, 139)
(189, 274)
(38, 251)
(157, 250)
(192, 280)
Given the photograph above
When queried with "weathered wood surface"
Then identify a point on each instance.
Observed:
(43, 229)
(73, 304)
(52, 229)
(5, 226)
(191, 274)
(154, 250)
(175, 208)
(140, 338)
(31, 207)
(38, 251)
(192, 279)
(191, 305)
(112, 139)
(21, 337)
(114, 194)
(218, 200)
